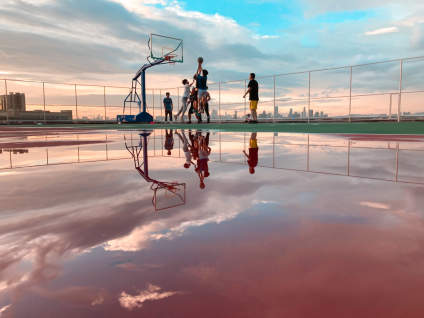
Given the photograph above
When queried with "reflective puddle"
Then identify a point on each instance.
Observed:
(210, 224)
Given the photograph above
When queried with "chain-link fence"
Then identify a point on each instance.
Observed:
(387, 90)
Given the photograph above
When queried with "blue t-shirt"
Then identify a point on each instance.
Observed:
(167, 102)
(202, 82)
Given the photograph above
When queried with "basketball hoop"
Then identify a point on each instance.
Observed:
(168, 195)
(170, 58)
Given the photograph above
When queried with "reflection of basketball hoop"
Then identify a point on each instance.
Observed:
(166, 195)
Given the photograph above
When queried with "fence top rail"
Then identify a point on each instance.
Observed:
(331, 68)
(233, 81)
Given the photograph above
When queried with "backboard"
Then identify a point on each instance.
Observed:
(168, 195)
(165, 47)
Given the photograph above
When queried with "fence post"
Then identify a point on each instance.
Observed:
(219, 102)
(104, 99)
(245, 101)
(273, 117)
(76, 102)
(309, 97)
(350, 95)
(178, 96)
(153, 103)
(6, 104)
(44, 103)
(160, 103)
(390, 108)
(400, 90)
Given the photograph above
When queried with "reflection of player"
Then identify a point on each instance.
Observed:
(186, 148)
(169, 141)
(252, 157)
(202, 168)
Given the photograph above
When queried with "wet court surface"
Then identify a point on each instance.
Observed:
(297, 226)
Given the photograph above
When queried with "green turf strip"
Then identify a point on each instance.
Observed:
(413, 127)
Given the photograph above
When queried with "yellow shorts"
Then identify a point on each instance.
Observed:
(253, 104)
(253, 143)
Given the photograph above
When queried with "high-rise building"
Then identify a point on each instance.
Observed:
(14, 102)
(276, 115)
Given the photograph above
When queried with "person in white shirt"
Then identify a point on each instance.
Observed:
(185, 98)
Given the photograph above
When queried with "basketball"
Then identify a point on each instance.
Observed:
(200, 59)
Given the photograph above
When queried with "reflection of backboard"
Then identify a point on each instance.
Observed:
(168, 195)
(165, 47)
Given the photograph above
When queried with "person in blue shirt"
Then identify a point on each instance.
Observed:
(201, 77)
(167, 103)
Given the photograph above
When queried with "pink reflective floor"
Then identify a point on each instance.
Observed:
(327, 226)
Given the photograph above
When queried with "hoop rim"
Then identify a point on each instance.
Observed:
(170, 56)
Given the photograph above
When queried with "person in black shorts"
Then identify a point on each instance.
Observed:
(205, 106)
(193, 104)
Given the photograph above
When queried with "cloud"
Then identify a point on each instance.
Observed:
(152, 293)
(266, 37)
(320, 6)
(382, 31)
(105, 41)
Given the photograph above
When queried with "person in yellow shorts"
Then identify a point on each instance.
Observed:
(253, 91)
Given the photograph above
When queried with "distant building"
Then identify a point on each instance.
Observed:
(13, 106)
(14, 102)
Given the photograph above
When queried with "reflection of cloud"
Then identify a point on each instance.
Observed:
(152, 292)
(3, 309)
(98, 300)
(375, 205)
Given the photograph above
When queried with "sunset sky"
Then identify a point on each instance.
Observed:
(105, 40)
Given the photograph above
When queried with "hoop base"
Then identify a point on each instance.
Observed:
(144, 117)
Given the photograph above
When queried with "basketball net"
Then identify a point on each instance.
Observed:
(169, 58)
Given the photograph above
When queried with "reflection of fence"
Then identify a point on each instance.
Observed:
(390, 90)
(348, 157)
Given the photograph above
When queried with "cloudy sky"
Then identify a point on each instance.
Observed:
(106, 40)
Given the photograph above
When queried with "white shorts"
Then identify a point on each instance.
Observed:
(201, 92)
